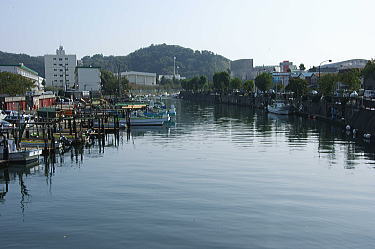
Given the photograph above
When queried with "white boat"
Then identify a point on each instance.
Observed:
(9, 152)
(279, 107)
(2, 115)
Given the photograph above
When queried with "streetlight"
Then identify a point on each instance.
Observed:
(321, 64)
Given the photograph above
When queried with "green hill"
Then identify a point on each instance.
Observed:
(159, 59)
(34, 62)
(155, 59)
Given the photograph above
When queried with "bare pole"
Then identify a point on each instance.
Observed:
(174, 66)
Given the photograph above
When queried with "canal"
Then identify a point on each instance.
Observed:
(221, 177)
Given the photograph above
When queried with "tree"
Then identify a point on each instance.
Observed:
(202, 82)
(302, 67)
(297, 86)
(13, 84)
(369, 75)
(263, 81)
(111, 84)
(327, 84)
(235, 83)
(248, 86)
(221, 81)
(195, 83)
(350, 78)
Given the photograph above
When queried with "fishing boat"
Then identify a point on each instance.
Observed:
(10, 153)
(279, 107)
(2, 115)
(148, 121)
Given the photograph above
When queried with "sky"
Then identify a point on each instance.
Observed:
(269, 31)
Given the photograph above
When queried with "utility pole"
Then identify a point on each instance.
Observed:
(66, 87)
(174, 66)
(118, 76)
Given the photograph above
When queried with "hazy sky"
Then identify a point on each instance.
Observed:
(268, 31)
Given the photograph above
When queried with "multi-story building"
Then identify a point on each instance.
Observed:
(88, 78)
(287, 66)
(281, 78)
(140, 78)
(26, 72)
(59, 69)
(242, 69)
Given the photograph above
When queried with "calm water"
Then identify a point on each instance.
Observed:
(222, 177)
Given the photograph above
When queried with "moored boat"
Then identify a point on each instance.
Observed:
(10, 153)
(279, 107)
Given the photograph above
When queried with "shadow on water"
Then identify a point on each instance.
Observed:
(299, 132)
(14, 173)
(46, 167)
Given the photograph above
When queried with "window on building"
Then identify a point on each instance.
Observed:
(67, 75)
(61, 75)
(67, 69)
(66, 59)
(54, 64)
(67, 80)
(60, 59)
(55, 69)
(55, 75)
(61, 70)
(66, 64)
(60, 64)
(61, 81)
(54, 59)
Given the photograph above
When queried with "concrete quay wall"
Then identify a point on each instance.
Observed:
(359, 116)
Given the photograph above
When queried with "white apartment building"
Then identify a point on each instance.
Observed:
(140, 78)
(59, 69)
(88, 78)
(26, 72)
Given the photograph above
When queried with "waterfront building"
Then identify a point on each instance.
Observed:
(140, 78)
(26, 72)
(88, 78)
(281, 78)
(265, 69)
(59, 69)
(310, 77)
(171, 77)
(287, 66)
(242, 69)
(22, 103)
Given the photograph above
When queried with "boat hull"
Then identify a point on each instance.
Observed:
(23, 157)
(285, 110)
(147, 121)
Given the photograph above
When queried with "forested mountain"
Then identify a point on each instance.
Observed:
(159, 59)
(155, 59)
(35, 63)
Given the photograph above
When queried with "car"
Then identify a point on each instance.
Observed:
(369, 94)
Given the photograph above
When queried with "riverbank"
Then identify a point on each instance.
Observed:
(356, 113)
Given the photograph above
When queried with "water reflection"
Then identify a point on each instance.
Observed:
(17, 173)
(243, 127)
